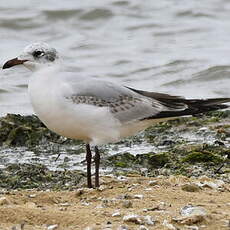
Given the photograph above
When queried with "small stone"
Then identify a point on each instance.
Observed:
(124, 197)
(148, 220)
(191, 215)
(85, 203)
(18, 227)
(168, 225)
(122, 178)
(123, 227)
(142, 227)
(193, 227)
(148, 189)
(102, 188)
(4, 201)
(32, 195)
(153, 182)
(159, 207)
(52, 227)
(89, 228)
(227, 223)
(127, 204)
(139, 196)
(203, 129)
(212, 185)
(190, 210)
(189, 220)
(30, 205)
(133, 218)
(66, 204)
(190, 188)
(79, 192)
(116, 213)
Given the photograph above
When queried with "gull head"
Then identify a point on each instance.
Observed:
(34, 57)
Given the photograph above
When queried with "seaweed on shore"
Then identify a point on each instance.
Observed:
(29, 176)
(176, 154)
(18, 130)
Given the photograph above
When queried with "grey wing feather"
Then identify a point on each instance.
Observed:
(125, 104)
(128, 104)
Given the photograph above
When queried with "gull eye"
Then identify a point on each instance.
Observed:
(38, 53)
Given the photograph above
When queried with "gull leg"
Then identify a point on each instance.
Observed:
(88, 160)
(97, 164)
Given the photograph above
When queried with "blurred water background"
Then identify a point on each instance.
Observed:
(170, 46)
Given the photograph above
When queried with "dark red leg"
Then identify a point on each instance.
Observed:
(97, 164)
(88, 160)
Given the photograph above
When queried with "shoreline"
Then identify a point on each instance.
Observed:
(155, 186)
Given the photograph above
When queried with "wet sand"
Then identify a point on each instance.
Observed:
(161, 198)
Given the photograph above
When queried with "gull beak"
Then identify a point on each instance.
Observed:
(13, 62)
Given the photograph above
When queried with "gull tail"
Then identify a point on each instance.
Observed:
(178, 106)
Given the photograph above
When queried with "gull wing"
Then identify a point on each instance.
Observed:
(128, 104)
(125, 104)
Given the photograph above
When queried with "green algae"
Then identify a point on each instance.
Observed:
(202, 157)
(178, 155)
(153, 160)
(29, 176)
(17, 130)
(150, 160)
(123, 160)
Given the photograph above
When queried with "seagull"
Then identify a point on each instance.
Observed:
(94, 110)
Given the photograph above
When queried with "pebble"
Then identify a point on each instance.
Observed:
(107, 228)
(124, 197)
(189, 220)
(153, 182)
(89, 228)
(211, 185)
(79, 192)
(190, 210)
(102, 188)
(148, 220)
(122, 178)
(159, 207)
(32, 195)
(191, 215)
(148, 189)
(4, 201)
(18, 227)
(168, 225)
(203, 129)
(123, 227)
(127, 204)
(190, 187)
(52, 227)
(116, 213)
(133, 218)
(66, 204)
(30, 205)
(142, 227)
(138, 196)
(193, 227)
(85, 203)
